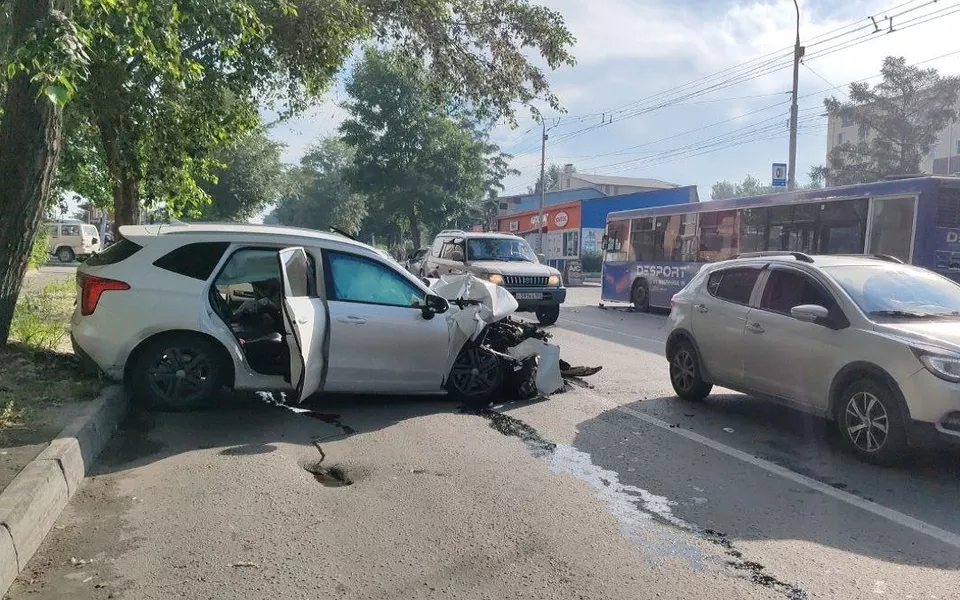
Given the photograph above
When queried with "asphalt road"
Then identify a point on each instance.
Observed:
(621, 491)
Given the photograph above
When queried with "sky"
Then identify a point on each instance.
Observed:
(697, 91)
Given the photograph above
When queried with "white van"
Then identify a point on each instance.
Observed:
(72, 240)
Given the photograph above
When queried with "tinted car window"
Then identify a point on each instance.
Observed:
(120, 251)
(786, 289)
(450, 248)
(196, 261)
(734, 285)
(357, 279)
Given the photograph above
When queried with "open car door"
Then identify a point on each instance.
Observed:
(304, 318)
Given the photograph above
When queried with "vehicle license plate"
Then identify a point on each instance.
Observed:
(528, 296)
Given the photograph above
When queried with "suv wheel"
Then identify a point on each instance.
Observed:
(685, 373)
(475, 376)
(640, 296)
(66, 255)
(871, 423)
(178, 372)
(548, 315)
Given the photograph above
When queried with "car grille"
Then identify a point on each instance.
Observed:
(525, 280)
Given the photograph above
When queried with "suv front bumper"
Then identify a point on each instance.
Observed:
(531, 297)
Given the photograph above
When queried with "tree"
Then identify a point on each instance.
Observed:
(246, 180)
(416, 158)
(30, 133)
(553, 176)
(750, 186)
(318, 194)
(899, 120)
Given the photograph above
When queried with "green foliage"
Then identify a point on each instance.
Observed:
(899, 120)
(750, 186)
(40, 253)
(41, 318)
(247, 181)
(418, 160)
(318, 194)
(591, 262)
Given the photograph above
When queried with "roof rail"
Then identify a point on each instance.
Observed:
(800, 256)
(883, 257)
(452, 231)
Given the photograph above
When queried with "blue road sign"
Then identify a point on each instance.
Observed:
(779, 175)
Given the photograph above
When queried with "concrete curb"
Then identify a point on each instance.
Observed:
(33, 501)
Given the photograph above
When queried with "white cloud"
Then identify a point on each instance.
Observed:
(629, 51)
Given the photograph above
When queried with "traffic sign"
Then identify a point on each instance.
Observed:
(779, 175)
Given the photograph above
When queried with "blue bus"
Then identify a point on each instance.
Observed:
(651, 253)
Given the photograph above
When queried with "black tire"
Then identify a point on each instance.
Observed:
(872, 400)
(548, 315)
(685, 375)
(640, 296)
(66, 255)
(164, 365)
(475, 377)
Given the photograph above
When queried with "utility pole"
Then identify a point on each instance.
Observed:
(543, 186)
(797, 55)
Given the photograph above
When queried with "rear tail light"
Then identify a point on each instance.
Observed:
(91, 288)
(673, 301)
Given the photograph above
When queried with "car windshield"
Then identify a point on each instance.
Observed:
(500, 249)
(899, 291)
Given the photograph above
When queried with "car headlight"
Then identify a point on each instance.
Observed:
(495, 278)
(553, 280)
(944, 367)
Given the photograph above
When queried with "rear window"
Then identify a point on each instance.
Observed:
(90, 231)
(196, 261)
(734, 285)
(122, 250)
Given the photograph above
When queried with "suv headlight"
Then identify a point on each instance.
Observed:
(495, 278)
(944, 367)
(553, 280)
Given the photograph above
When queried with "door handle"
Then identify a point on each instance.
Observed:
(702, 308)
(351, 320)
(755, 327)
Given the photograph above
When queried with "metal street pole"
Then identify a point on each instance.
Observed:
(543, 185)
(797, 55)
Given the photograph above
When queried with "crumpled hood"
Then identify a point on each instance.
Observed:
(506, 267)
(944, 335)
(496, 303)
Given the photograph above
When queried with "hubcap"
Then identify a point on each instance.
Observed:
(180, 375)
(475, 372)
(683, 370)
(866, 422)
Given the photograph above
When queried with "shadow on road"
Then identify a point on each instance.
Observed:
(747, 503)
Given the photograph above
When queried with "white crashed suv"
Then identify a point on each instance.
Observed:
(866, 341)
(181, 311)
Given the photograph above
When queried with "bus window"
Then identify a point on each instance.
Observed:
(843, 226)
(719, 235)
(753, 229)
(617, 234)
(892, 228)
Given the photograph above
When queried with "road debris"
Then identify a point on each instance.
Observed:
(239, 565)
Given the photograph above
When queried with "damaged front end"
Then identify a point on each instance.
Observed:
(492, 356)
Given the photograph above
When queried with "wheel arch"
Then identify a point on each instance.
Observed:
(863, 370)
(139, 348)
(683, 335)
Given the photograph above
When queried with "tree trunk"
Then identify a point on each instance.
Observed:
(30, 140)
(118, 143)
(414, 228)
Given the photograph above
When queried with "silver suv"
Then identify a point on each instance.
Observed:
(504, 259)
(864, 341)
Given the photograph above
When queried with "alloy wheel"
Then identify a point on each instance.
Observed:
(180, 375)
(683, 370)
(475, 372)
(866, 422)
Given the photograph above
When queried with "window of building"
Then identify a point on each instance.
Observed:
(571, 243)
(840, 138)
(846, 121)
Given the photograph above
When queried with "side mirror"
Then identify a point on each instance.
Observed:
(434, 305)
(809, 313)
(542, 258)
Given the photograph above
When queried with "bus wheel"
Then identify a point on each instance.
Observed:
(640, 295)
